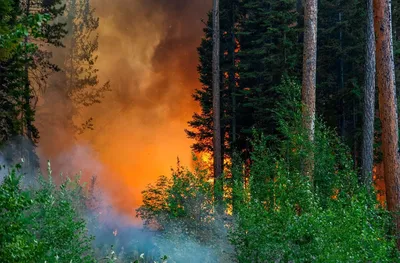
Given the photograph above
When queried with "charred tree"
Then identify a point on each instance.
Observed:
(388, 106)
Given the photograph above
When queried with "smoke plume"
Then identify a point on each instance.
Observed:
(147, 49)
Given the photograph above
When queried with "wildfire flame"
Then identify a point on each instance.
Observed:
(148, 53)
(379, 183)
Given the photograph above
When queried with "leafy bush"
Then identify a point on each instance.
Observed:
(288, 218)
(42, 224)
(279, 215)
(181, 209)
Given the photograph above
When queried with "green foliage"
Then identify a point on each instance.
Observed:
(268, 43)
(80, 80)
(348, 230)
(42, 224)
(201, 123)
(16, 56)
(185, 197)
(28, 26)
(289, 219)
(24, 68)
(26, 33)
(269, 49)
(280, 215)
(340, 73)
(181, 209)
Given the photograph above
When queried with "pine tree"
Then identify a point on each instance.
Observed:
(396, 39)
(52, 36)
(38, 68)
(388, 106)
(201, 123)
(309, 75)
(341, 70)
(217, 140)
(245, 107)
(9, 127)
(369, 100)
(24, 71)
(269, 49)
(78, 82)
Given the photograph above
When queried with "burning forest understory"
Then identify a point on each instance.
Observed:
(199, 131)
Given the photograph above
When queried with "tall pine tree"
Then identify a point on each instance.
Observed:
(269, 50)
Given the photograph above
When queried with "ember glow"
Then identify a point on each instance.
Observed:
(147, 49)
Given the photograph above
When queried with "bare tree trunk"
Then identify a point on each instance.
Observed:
(216, 104)
(388, 106)
(369, 100)
(309, 76)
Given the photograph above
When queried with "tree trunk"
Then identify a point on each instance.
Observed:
(342, 117)
(309, 76)
(369, 100)
(216, 104)
(387, 105)
(26, 110)
(232, 71)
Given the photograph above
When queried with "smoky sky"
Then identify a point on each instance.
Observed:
(174, 27)
(148, 52)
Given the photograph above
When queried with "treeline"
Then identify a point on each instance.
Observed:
(261, 43)
(264, 42)
(289, 111)
(271, 210)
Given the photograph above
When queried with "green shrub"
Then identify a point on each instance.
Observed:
(181, 209)
(42, 224)
(288, 218)
(279, 215)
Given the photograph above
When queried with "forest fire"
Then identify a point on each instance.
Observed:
(287, 143)
(379, 183)
(148, 53)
